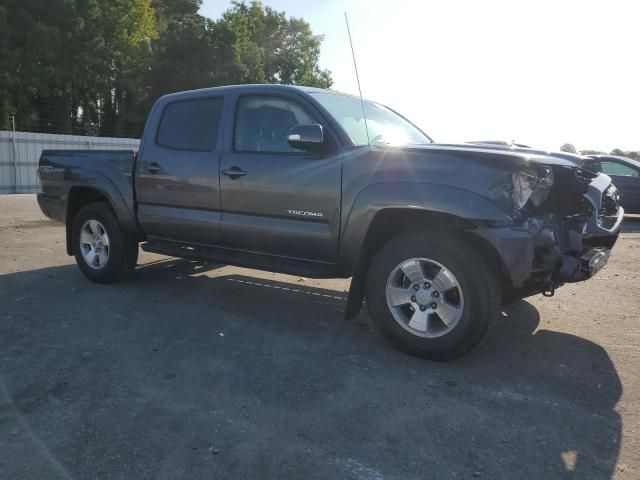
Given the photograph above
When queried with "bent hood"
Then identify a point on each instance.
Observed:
(504, 151)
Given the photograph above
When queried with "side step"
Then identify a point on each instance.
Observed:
(269, 263)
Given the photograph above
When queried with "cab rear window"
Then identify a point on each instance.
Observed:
(190, 125)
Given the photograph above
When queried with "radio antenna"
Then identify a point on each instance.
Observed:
(355, 66)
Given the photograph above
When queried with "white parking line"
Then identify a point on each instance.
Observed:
(286, 289)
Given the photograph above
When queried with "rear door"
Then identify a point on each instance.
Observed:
(277, 200)
(627, 179)
(178, 185)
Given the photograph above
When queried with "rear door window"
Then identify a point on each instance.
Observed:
(191, 124)
(618, 169)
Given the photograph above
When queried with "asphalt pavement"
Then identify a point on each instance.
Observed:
(192, 370)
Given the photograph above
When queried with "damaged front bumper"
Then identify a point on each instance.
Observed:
(547, 250)
(583, 253)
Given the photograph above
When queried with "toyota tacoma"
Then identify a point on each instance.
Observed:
(317, 183)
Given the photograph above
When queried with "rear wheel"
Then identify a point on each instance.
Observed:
(103, 251)
(432, 296)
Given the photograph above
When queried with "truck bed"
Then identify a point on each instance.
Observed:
(109, 171)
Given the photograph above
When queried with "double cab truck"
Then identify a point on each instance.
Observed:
(319, 184)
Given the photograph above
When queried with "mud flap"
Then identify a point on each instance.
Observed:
(356, 296)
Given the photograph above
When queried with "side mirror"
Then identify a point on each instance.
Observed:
(307, 137)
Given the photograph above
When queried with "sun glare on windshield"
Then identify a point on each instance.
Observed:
(384, 125)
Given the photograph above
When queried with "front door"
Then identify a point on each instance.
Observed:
(278, 200)
(178, 184)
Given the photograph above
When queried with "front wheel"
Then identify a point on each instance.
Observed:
(432, 296)
(103, 251)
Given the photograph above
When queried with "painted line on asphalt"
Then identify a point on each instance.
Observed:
(286, 289)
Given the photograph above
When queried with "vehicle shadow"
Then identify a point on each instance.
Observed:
(188, 360)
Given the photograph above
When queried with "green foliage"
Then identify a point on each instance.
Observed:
(621, 153)
(616, 151)
(181, 58)
(567, 147)
(71, 63)
(96, 66)
(266, 47)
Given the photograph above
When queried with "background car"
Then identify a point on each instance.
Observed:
(625, 173)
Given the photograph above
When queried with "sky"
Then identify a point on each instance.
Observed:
(541, 72)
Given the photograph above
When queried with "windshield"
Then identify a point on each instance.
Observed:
(385, 126)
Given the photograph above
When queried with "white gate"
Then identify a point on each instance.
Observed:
(20, 152)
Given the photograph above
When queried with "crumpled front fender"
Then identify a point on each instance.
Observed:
(462, 204)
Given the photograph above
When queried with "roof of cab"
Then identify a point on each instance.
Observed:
(249, 88)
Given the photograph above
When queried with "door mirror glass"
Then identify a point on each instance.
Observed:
(307, 137)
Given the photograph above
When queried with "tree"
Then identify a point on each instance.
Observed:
(567, 147)
(97, 66)
(7, 76)
(250, 43)
(182, 57)
(167, 10)
(72, 64)
(621, 153)
(126, 27)
(616, 151)
(266, 47)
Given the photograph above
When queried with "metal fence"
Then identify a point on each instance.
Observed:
(20, 152)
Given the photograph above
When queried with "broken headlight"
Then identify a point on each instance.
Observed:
(531, 185)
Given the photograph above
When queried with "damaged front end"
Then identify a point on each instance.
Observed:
(565, 223)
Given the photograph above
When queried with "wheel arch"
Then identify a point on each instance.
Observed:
(80, 195)
(388, 223)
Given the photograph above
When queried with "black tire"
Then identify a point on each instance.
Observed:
(476, 278)
(123, 249)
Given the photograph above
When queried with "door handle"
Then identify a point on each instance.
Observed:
(153, 168)
(234, 172)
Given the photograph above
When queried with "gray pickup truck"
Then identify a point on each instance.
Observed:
(294, 180)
